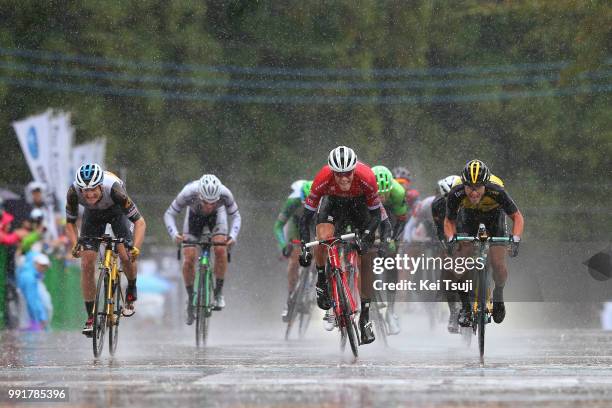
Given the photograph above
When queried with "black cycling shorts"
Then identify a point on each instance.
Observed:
(468, 221)
(94, 225)
(344, 212)
(197, 224)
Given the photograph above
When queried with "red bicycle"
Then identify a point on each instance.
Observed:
(344, 303)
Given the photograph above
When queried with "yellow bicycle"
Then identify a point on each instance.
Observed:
(108, 306)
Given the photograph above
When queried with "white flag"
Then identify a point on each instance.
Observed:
(60, 160)
(92, 152)
(33, 134)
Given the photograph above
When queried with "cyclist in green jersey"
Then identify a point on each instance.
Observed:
(286, 229)
(393, 197)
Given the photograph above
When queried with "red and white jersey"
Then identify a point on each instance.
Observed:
(364, 184)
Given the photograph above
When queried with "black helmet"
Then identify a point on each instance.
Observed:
(475, 172)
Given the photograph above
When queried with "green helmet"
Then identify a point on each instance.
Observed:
(306, 189)
(384, 178)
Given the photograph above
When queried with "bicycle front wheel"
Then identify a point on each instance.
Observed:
(100, 321)
(347, 319)
(292, 308)
(113, 333)
(200, 302)
(208, 305)
(307, 301)
(481, 319)
(298, 304)
(204, 306)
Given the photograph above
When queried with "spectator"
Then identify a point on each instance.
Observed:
(35, 194)
(35, 226)
(8, 237)
(37, 197)
(29, 273)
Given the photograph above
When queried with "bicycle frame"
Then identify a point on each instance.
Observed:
(483, 243)
(203, 272)
(110, 262)
(203, 284)
(108, 284)
(482, 305)
(338, 273)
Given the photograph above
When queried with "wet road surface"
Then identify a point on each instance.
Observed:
(153, 367)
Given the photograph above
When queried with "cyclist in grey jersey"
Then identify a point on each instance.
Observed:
(190, 198)
(420, 225)
(208, 203)
(105, 201)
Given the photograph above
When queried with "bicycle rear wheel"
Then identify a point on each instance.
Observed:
(99, 323)
(113, 333)
(466, 335)
(208, 306)
(380, 324)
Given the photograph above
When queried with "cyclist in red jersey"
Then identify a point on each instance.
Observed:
(403, 176)
(343, 193)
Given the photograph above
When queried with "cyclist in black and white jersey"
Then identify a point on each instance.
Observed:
(105, 200)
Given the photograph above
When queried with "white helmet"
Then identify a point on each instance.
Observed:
(447, 183)
(342, 159)
(210, 188)
(89, 176)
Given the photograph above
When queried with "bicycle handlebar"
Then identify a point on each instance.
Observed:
(344, 237)
(202, 244)
(488, 239)
(104, 238)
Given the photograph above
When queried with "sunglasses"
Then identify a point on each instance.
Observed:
(343, 173)
(474, 186)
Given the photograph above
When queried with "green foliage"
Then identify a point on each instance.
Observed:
(552, 151)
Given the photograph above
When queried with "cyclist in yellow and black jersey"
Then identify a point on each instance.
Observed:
(482, 198)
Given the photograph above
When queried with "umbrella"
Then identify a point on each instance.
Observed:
(8, 194)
